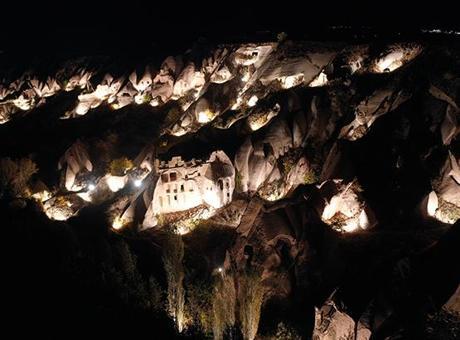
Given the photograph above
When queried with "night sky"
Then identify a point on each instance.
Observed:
(37, 27)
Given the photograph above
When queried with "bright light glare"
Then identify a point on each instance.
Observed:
(137, 183)
(205, 116)
(117, 223)
(115, 183)
(84, 196)
(139, 98)
(253, 101)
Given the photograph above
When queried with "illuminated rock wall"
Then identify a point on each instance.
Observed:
(185, 185)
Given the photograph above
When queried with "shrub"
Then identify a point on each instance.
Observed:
(119, 166)
(289, 160)
(15, 175)
(284, 332)
(281, 36)
(310, 177)
(238, 181)
(147, 98)
(287, 163)
(8, 170)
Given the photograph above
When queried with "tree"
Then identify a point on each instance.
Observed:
(15, 176)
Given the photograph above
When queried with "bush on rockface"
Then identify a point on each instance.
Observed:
(15, 176)
(119, 166)
(238, 181)
(310, 177)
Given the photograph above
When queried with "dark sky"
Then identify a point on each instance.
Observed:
(40, 26)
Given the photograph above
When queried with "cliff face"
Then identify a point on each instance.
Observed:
(309, 173)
